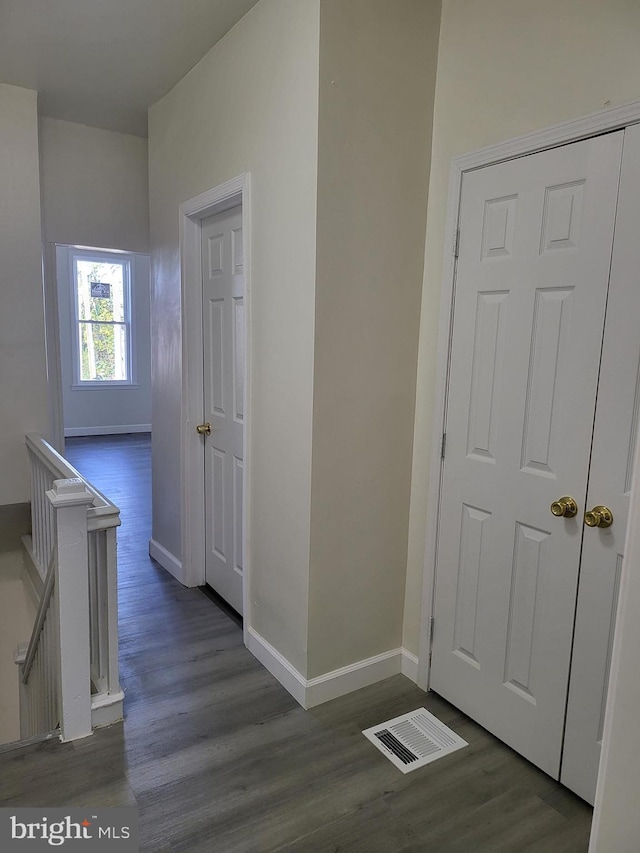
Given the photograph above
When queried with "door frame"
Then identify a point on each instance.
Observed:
(232, 193)
(603, 121)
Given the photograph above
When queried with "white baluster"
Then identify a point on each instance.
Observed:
(111, 606)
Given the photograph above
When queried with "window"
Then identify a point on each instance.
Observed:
(103, 322)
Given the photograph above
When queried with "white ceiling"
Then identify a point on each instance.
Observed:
(104, 62)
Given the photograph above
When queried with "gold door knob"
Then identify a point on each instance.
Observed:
(599, 516)
(565, 507)
(204, 429)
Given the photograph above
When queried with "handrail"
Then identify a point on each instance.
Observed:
(41, 616)
(73, 648)
(103, 513)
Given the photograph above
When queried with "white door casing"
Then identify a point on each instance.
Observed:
(605, 120)
(223, 317)
(190, 569)
(615, 431)
(529, 304)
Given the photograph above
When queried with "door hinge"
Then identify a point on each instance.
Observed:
(443, 445)
(456, 244)
(431, 624)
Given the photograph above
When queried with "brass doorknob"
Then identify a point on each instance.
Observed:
(599, 516)
(564, 507)
(204, 429)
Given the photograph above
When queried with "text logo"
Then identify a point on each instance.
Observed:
(114, 829)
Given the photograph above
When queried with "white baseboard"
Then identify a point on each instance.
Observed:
(353, 677)
(278, 666)
(118, 429)
(331, 685)
(106, 709)
(409, 665)
(167, 560)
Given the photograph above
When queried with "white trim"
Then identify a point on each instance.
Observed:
(101, 249)
(191, 213)
(106, 709)
(616, 821)
(31, 574)
(353, 677)
(409, 665)
(439, 423)
(277, 665)
(331, 685)
(223, 197)
(603, 121)
(167, 560)
(116, 429)
(33, 565)
(104, 256)
(119, 384)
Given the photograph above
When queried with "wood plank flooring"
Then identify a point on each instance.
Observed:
(219, 758)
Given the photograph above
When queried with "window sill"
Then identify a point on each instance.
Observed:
(91, 386)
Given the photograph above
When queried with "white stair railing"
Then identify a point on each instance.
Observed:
(71, 663)
(55, 673)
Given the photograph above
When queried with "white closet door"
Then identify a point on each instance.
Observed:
(535, 251)
(616, 424)
(224, 376)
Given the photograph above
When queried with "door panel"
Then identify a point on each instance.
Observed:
(224, 366)
(614, 436)
(530, 296)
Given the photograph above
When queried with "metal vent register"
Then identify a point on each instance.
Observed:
(414, 739)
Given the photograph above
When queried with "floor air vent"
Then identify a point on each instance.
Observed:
(414, 739)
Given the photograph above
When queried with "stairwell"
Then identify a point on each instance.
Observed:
(58, 606)
(17, 615)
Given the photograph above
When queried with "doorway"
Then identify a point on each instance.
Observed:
(215, 251)
(222, 430)
(99, 342)
(532, 333)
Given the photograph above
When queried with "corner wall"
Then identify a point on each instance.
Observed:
(250, 105)
(23, 372)
(95, 187)
(377, 82)
(504, 69)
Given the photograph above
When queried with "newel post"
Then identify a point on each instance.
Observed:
(70, 499)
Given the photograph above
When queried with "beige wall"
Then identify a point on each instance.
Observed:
(95, 192)
(23, 373)
(505, 68)
(95, 186)
(377, 78)
(251, 105)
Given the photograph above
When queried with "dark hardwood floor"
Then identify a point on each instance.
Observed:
(219, 758)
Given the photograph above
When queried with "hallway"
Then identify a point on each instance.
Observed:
(219, 758)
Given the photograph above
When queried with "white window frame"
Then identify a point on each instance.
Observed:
(126, 261)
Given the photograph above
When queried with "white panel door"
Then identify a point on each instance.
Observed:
(224, 377)
(614, 436)
(530, 296)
